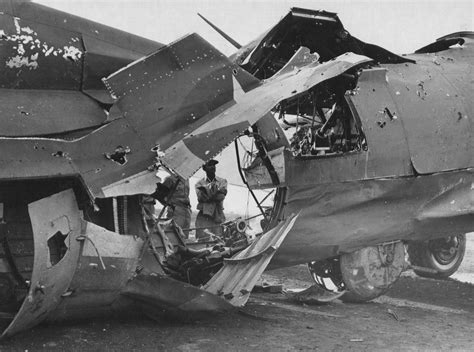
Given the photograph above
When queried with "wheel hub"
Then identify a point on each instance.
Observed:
(445, 250)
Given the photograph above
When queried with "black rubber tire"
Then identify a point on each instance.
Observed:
(420, 254)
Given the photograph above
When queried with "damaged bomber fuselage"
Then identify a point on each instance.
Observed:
(77, 240)
(377, 150)
(382, 151)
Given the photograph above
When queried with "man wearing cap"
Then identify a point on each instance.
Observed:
(211, 191)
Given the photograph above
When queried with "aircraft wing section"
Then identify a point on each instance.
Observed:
(51, 68)
(187, 155)
(160, 99)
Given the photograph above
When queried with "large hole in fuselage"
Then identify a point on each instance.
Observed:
(57, 247)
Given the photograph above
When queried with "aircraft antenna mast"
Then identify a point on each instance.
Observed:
(221, 32)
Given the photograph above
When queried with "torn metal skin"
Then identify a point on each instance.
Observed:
(80, 269)
(381, 151)
(408, 144)
(79, 153)
(76, 162)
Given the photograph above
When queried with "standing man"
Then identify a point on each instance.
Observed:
(211, 191)
(173, 193)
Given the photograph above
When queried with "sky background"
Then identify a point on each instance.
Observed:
(400, 26)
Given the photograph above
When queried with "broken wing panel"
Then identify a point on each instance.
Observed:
(87, 156)
(159, 294)
(202, 144)
(57, 215)
(166, 93)
(236, 279)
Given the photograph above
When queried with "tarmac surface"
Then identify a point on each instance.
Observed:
(415, 315)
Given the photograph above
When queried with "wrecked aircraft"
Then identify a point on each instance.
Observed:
(79, 156)
(90, 113)
(376, 152)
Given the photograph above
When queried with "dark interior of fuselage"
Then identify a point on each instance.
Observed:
(322, 122)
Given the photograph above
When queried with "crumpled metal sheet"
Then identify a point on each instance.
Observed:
(136, 124)
(188, 155)
(236, 279)
(343, 217)
(445, 41)
(88, 279)
(230, 286)
(166, 95)
(159, 293)
(58, 212)
(37, 157)
(107, 262)
(319, 30)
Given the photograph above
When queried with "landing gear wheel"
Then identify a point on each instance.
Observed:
(328, 284)
(443, 256)
(369, 272)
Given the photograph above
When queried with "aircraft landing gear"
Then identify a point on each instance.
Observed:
(361, 275)
(370, 271)
(326, 275)
(442, 256)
